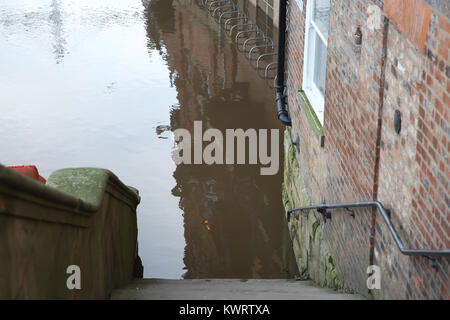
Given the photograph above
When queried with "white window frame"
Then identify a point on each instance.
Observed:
(315, 97)
(300, 4)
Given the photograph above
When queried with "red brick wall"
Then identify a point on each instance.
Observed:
(364, 159)
(295, 38)
(414, 170)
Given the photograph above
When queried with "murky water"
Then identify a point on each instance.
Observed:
(96, 83)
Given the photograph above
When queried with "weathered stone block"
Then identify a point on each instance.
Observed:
(84, 217)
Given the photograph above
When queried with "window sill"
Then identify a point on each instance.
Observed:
(311, 116)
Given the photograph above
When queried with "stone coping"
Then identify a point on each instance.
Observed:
(80, 189)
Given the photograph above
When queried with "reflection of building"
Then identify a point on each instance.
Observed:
(234, 222)
(263, 12)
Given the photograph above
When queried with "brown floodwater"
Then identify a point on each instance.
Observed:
(103, 83)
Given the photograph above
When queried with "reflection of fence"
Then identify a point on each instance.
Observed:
(245, 34)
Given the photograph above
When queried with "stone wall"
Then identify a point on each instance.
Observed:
(84, 217)
(306, 230)
(357, 155)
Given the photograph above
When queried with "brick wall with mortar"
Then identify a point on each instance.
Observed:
(363, 158)
(414, 167)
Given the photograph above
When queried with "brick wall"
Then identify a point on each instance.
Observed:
(295, 38)
(414, 167)
(363, 158)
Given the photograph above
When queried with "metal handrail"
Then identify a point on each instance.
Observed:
(268, 67)
(222, 7)
(385, 213)
(227, 12)
(243, 32)
(258, 47)
(233, 19)
(254, 39)
(264, 55)
(239, 25)
(216, 2)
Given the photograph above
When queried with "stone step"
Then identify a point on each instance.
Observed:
(227, 289)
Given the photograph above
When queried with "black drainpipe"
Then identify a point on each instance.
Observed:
(280, 97)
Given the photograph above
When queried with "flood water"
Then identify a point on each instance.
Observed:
(97, 83)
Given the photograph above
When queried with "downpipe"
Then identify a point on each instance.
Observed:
(280, 97)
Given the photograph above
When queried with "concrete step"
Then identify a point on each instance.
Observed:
(226, 289)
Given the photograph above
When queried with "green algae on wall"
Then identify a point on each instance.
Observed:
(313, 258)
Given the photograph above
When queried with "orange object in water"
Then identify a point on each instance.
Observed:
(205, 223)
(29, 171)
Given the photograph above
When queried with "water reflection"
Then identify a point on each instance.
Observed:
(98, 108)
(133, 74)
(233, 217)
(59, 42)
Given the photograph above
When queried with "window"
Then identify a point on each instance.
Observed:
(315, 57)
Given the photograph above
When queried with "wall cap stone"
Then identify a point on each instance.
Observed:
(78, 192)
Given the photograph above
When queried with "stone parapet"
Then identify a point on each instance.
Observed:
(84, 217)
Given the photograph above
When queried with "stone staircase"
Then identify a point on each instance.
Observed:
(227, 289)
